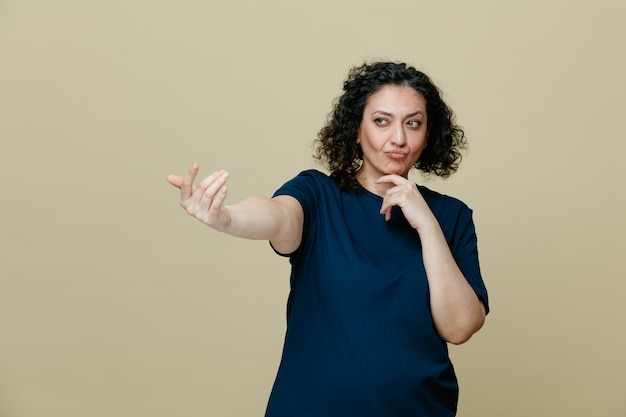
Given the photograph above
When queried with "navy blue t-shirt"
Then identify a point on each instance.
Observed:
(360, 337)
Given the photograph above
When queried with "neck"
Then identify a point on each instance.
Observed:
(371, 185)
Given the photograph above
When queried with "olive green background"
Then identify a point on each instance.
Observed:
(113, 302)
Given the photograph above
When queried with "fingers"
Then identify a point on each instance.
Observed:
(385, 210)
(387, 213)
(187, 184)
(208, 188)
(389, 201)
(392, 178)
(393, 197)
(218, 202)
(403, 194)
(205, 200)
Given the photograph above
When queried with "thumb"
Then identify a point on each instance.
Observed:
(175, 180)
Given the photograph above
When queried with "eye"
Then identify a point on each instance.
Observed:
(380, 121)
(414, 123)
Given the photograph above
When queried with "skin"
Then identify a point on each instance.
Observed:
(279, 219)
(392, 134)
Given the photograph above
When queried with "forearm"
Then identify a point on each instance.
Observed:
(255, 217)
(278, 220)
(457, 311)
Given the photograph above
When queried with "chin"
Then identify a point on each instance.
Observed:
(400, 171)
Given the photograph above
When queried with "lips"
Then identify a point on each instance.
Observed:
(395, 154)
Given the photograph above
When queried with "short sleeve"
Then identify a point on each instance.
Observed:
(304, 188)
(464, 247)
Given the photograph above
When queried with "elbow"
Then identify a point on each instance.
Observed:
(459, 339)
(461, 333)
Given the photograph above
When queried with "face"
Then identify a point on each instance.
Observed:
(393, 131)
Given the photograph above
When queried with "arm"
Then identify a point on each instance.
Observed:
(278, 219)
(457, 312)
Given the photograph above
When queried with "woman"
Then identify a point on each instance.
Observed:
(384, 273)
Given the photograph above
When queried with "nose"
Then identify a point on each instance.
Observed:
(398, 137)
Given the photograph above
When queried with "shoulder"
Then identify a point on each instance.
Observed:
(314, 175)
(310, 180)
(454, 216)
(308, 187)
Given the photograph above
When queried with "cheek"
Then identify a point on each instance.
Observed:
(419, 142)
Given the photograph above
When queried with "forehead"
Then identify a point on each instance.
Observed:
(397, 96)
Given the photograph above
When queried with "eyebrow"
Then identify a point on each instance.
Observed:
(384, 113)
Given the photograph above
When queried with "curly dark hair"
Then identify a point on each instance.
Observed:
(336, 143)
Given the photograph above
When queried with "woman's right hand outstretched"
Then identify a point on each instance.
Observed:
(205, 200)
